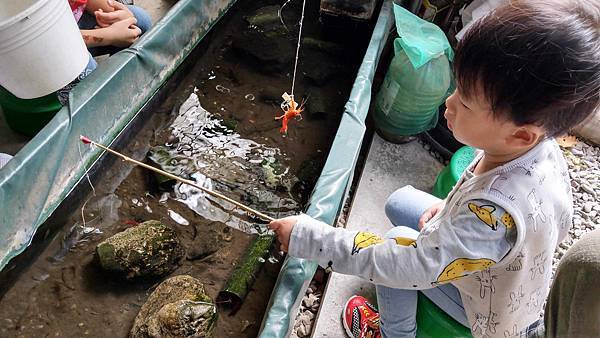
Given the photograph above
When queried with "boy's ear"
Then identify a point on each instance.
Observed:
(525, 136)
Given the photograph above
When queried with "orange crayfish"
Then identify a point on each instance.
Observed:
(290, 110)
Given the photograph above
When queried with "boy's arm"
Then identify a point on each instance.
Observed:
(446, 253)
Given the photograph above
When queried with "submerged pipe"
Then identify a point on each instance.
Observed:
(242, 278)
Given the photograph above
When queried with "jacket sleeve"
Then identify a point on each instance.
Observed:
(473, 239)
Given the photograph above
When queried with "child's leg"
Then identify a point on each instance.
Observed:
(63, 93)
(398, 307)
(406, 205)
(397, 311)
(143, 18)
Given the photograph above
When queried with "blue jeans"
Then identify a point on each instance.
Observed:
(88, 21)
(398, 307)
(63, 93)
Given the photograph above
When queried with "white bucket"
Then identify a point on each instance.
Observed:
(41, 48)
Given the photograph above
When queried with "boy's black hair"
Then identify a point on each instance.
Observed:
(537, 61)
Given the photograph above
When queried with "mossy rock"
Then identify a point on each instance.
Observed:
(148, 249)
(265, 18)
(179, 307)
(263, 50)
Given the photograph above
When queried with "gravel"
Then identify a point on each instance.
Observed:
(308, 311)
(584, 169)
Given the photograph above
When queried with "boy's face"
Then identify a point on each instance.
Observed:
(473, 123)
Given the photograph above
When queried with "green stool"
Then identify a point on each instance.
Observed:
(432, 322)
(448, 177)
(28, 117)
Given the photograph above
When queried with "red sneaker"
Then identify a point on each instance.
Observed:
(360, 318)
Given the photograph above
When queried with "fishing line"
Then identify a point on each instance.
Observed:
(298, 47)
(87, 176)
(299, 39)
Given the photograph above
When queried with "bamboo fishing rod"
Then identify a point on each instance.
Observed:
(86, 140)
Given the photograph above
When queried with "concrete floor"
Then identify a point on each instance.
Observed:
(11, 142)
(388, 167)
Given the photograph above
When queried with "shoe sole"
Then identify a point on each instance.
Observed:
(346, 328)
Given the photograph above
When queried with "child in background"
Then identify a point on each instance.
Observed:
(109, 23)
(107, 26)
(527, 72)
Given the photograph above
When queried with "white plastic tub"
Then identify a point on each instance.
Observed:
(41, 48)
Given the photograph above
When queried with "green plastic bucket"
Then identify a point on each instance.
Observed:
(28, 117)
(448, 177)
(432, 322)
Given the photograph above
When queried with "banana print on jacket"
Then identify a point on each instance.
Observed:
(485, 214)
(363, 240)
(461, 267)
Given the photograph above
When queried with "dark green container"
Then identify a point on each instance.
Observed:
(448, 177)
(432, 322)
(28, 117)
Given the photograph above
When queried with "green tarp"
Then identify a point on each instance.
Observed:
(42, 174)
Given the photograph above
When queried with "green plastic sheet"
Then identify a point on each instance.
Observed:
(45, 171)
(421, 40)
(332, 187)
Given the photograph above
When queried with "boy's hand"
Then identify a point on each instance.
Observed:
(430, 213)
(283, 229)
(123, 33)
(119, 12)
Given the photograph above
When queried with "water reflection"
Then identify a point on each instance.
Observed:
(203, 149)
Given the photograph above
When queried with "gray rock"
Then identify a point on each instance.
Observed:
(330, 48)
(148, 249)
(317, 107)
(179, 307)
(577, 152)
(265, 18)
(588, 188)
(270, 52)
(321, 69)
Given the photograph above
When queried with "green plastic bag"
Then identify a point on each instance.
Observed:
(421, 40)
(417, 80)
